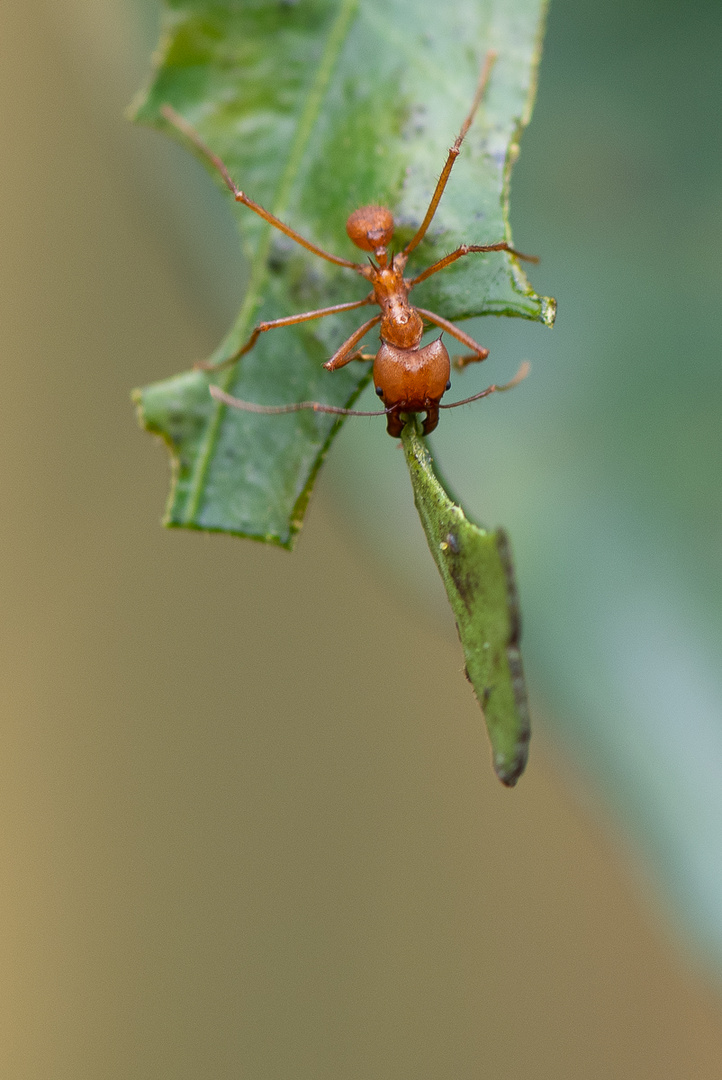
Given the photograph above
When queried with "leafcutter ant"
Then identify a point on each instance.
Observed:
(407, 377)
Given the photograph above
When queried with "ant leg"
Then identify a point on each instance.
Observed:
(359, 355)
(289, 320)
(453, 154)
(182, 125)
(466, 249)
(346, 352)
(479, 353)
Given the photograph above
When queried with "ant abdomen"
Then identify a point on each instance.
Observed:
(370, 227)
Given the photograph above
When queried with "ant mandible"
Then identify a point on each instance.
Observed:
(407, 378)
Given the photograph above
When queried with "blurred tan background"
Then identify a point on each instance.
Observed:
(249, 826)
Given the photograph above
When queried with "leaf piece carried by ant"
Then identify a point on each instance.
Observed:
(476, 569)
(314, 115)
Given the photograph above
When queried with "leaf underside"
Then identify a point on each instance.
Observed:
(317, 108)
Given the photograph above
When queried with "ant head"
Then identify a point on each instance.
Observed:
(370, 227)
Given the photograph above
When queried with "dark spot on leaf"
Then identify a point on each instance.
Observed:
(453, 541)
(465, 579)
(504, 548)
(518, 686)
(510, 771)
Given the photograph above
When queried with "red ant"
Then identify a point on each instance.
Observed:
(407, 378)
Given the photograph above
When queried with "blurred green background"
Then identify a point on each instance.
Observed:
(606, 466)
(249, 826)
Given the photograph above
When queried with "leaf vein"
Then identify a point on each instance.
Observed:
(259, 265)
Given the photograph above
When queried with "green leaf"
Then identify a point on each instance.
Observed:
(476, 568)
(317, 108)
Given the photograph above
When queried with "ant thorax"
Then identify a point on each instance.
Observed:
(401, 324)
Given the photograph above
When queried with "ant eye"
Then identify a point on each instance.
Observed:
(448, 385)
(379, 391)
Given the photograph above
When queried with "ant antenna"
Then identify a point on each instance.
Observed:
(275, 410)
(521, 374)
(316, 406)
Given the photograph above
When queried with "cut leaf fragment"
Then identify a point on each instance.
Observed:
(317, 109)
